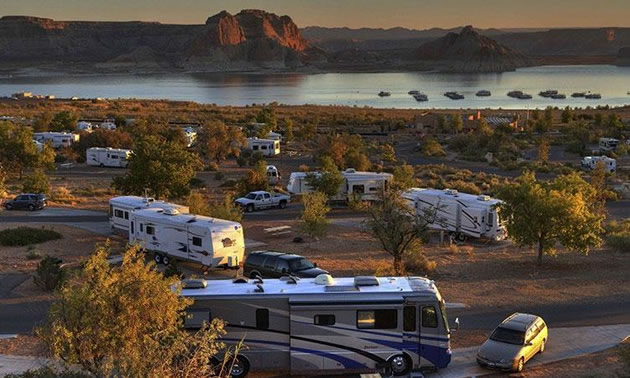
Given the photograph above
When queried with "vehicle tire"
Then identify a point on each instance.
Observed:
(282, 204)
(520, 365)
(166, 260)
(101, 165)
(542, 346)
(31, 207)
(239, 367)
(8, 206)
(400, 364)
(461, 237)
(158, 258)
(249, 208)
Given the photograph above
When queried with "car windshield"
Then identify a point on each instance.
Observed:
(300, 264)
(251, 196)
(509, 336)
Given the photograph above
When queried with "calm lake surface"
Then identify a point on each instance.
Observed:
(358, 89)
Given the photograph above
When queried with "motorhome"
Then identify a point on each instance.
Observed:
(268, 147)
(273, 174)
(121, 207)
(462, 215)
(107, 157)
(326, 325)
(608, 144)
(589, 162)
(57, 140)
(360, 185)
(169, 234)
(107, 125)
(191, 136)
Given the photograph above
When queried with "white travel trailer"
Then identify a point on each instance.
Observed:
(589, 162)
(268, 147)
(210, 242)
(57, 140)
(191, 136)
(84, 126)
(362, 185)
(608, 144)
(325, 326)
(38, 145)
(107, 125)
(107, 157)
(462, 215)
(121, 207)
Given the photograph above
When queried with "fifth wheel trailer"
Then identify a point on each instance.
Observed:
(461, 214)
(210, 242)
(326, 325)
(120, 207)
(107, 157)
(364, 185)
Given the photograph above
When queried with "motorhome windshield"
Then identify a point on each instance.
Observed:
(510, 336)
(300, 264)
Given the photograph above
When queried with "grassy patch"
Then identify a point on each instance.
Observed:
(22, 236)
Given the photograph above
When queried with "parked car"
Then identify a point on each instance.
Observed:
(262, 200)
(270, 264)
(514, 342)
(27, 201)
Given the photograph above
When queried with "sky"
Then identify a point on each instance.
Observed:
(414, 14)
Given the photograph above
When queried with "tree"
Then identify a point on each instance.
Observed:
(542, 214)
(222, 209)
(441, 123)
(543, 151)
(266, 115)
(567, 115)
(3, 178)
(216, 141)
(288, 131)
(163, 167)
(313, 220)
(388, 153)
(18, 152)
(37, 182)
(456, 124)
(255, 179)
(397, 227)
(42, 123)
(127, 321)
(549, 116)
(102, 138)
(432, 147)
(599, 119)
(358, 160)
(63, 121)
(404, 176)
(328, 180)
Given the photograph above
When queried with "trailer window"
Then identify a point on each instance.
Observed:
(141, 227)
(429, 317)
(409, 318)
(262, 318)
(324, 320)
(132, 231)
(377, 319)
(255, 148)
(150, 230)
(118, 213)
(358, 188)
(196, 241)
(263, 147)
(126, 215)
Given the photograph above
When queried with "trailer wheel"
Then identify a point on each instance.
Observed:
(239, 367)
(283, 204)
(158, 258)
(250, 208)
(165, 260)
(461, 237)
(101, 165)
(31, 207)
(400, 364)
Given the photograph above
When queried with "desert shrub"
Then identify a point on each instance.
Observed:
(356, 204)
(50, 274)
(21, 236)
(32, 253)
(48, 372)
(230, 183)
(432, 147)
(619, 241)
(242, 160)
(61, 194)
(37, 182)
(418, 263)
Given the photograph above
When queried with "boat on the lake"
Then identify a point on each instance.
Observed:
(454, 95)
(515, 94)
(548, 93)
(413, 92)
(559, 96)
(593, 96)
(420, 97)
(384, 94)
(524, 96)
(578, 94)
(483, 93)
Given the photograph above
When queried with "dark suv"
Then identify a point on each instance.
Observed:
(269, 264)
(26, 201)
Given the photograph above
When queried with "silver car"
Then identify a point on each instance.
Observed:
(514, 342)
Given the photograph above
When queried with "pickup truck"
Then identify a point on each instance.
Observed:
(262, 200)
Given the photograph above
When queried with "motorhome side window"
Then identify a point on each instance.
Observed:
(118, 213)
(150, 230)
(126, 215)
(263, 147)
(132, 231)
(141, 227)
(490, 218)
(324, 320)
(429, 317)
(358, 188)
(377, 319)
(409, 318)
(262, 318)
(255, 148)
(196, 241)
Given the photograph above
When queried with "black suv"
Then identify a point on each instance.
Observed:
(269, 264)
(26, 201)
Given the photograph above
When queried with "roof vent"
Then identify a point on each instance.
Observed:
(483, 197)
(366, 281)
(451, 192)
(324, 279)
(195, 283)
(171, 212)
(148, 200)
(239, 280)
(351, 170)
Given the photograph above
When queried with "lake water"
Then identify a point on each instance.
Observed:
(358, 89)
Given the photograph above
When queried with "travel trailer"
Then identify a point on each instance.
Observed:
(38, 145)
(589, 162)
(120, 207)
(107, 125)
(107, 157)
(324, 326)
(169, 234)
(191, 136)
(84, 126)
(267, 147)
(273, 174)
(57, 140)
(462, 215)
(356, 184)
(608, 144)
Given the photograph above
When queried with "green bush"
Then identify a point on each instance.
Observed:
(50, 274)
(36, 183)
(22, 236)
(48, 372)
(418, 263)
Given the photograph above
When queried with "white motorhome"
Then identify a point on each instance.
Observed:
(191, 136)
(210, 242)
(462, 215)
(268, 147)
(589, 162)
(107, 157)
(326, 325)
(608, 144)
(362, 185)
(273, 174)
(121, 207)
(57, 140)
(84, 126)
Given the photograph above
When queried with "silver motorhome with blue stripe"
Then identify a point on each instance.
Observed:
(301, 326)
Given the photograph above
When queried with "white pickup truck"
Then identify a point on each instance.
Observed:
(262, 200)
